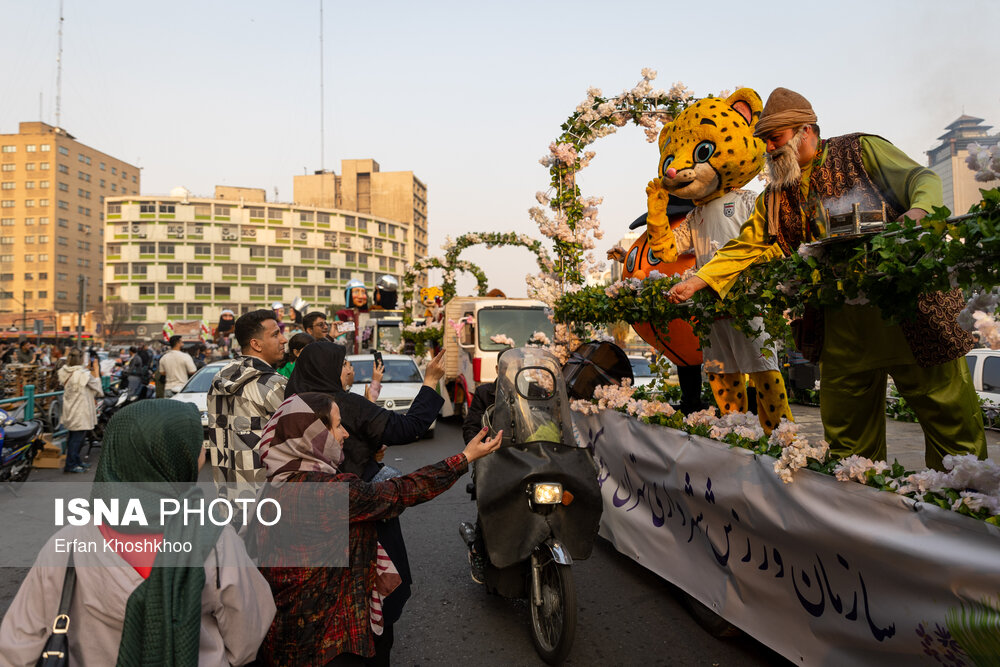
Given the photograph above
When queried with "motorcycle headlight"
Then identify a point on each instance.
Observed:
(547, 493)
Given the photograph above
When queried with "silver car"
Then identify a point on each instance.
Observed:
(400, 384)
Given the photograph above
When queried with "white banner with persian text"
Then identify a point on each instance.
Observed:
(823, 572)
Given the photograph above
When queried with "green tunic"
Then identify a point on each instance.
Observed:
(883, 345)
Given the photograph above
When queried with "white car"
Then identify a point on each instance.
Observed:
(984, 364)
(196, 390)
(400, 384)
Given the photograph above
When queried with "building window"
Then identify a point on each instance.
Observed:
(203, 289)
(283, 271)
(274, 291)
(203, 249)
(9, 167)
(300, 272)
(257, 251)
(275, 214)
(257, 290)
(44, 185)
(9, 222)
(61, 296)
(45, 148)
(306, 216)
(222, 291)
(195, 270)
(256, 212)
(248, 271)
(308, 253)
(9, 149)
(147, 208)
(175, 310)
(275, 252)
(351, 257)
(44, 166)
(175, 269)
(147, 248)
(166, 248)
(7, 203)
(63, 169)
(147, 289)
(114, 209)
(166, 289)
(63, 151)
(194, 310)
(323, 256)
(139, 269)
(10, 185)
(166, 208)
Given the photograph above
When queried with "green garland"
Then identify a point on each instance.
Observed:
(448, 286)
(494, 239)
(888, 270)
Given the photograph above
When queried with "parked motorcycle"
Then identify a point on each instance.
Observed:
(538, 498)
(20, 441)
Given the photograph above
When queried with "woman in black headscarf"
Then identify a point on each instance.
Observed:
(319, 368)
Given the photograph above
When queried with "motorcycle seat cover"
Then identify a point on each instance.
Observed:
(20, 433)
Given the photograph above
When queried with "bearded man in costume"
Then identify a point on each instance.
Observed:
(924, 356)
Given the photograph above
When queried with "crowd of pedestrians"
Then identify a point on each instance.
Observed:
(266, 431)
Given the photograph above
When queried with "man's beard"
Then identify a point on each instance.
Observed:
(782, 164)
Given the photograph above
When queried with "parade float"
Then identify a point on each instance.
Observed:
(826, 561)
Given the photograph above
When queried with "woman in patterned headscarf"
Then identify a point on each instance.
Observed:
(127, 608)
(326, 612)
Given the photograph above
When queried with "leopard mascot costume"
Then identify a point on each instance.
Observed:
(706, 155)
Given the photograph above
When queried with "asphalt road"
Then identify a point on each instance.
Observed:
(626, 615)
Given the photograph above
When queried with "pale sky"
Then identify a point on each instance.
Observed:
(469, 95)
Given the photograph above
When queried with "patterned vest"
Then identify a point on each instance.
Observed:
(933, 335)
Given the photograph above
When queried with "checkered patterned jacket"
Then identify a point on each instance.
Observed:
(244, 395)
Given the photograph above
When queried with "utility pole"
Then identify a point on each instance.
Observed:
(82, 280)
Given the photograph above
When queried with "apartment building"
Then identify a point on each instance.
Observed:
(362, 187)
(185, 257)
(52, 192)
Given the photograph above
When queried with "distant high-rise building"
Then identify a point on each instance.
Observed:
(52, 191)
(361, 187)
(961, 189)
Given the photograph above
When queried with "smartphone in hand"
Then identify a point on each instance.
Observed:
(378, 358)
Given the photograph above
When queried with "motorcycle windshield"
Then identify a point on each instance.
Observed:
(531, 404)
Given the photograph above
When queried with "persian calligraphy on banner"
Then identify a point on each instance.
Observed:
(823, 572)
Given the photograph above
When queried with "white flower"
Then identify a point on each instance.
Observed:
(502, 339)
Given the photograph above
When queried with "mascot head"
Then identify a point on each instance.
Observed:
(356, 295)
(709, 149)
(431, 296)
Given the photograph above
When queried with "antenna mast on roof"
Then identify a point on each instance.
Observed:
(59, 70)
(322, 111)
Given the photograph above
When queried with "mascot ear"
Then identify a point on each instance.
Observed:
(664, 139)
(747, 103)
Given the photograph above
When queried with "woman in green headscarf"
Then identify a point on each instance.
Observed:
(142, 608)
